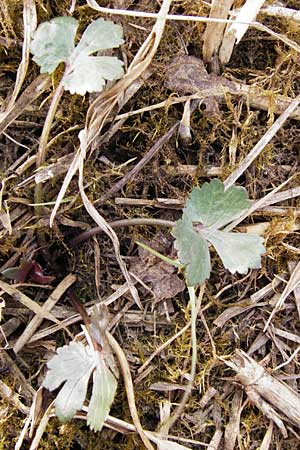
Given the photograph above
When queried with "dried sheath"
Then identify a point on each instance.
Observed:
(264, 390)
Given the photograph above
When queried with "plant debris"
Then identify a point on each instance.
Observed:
(191, 103)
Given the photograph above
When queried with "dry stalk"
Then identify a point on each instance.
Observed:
(235, 31)
(232, 429)
(29, 26)
(292, 284)
(213, 35)
(258, 148)
(266, 442)
(265, 391)
(31, 93)
(125, 12)
(47, 306)
(7, 393)
(280, 11)
(30, 304)
(129, 389)
(138, 167)
(194, 312)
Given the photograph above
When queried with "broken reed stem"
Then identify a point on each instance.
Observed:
(42, 150)
(258, 148)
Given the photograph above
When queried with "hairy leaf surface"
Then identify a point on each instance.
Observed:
(192, 251)
(214, 207)
(104, 389)
(88, 73)
(238, 251)
(73, 366)
(53, 43)
(208, 209)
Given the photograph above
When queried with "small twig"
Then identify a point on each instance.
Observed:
(30, 94)
(213, 346)
(118, 224)
(11, 397)
(194, 312)
(42, 150)
(132, 173)
(258, 148)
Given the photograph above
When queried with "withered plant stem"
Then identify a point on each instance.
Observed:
(42, 150)
(194, 313)
(138, 167)
(119, 224)
(129, 389)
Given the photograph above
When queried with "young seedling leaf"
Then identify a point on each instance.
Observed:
(88, 73)
(53, 43)
(100, 35)
(214, 207)
(208, 209)
(104, 389)
(192, 251)
(238, 251)
(73, 366)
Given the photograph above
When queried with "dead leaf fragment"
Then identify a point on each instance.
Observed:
(161, 276)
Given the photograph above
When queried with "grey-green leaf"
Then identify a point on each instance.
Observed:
(192, 251)
(214, 207)
(71, 396)
(88, 73)
(53, 42)
(73, 366)
(104, 389)
(238, 251)
(100, 35)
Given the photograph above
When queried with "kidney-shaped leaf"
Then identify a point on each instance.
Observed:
(214, 207)
(192, 251)
(73, 366)
(53, 42)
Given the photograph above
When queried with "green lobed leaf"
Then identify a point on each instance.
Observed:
(192, 251)
(104, 389)
(214, 207)
(238, 251)
(207, 209)
(73, 366)
(53, 42)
